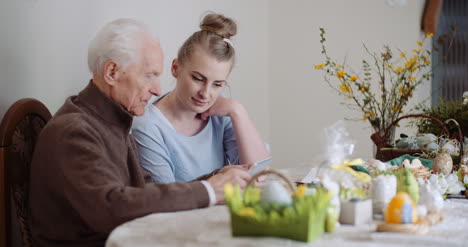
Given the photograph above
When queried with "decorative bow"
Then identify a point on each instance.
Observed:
(346, 166)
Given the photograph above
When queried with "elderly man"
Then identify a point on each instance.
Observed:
(85, 176)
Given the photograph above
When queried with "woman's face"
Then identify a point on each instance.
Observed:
(200, 80)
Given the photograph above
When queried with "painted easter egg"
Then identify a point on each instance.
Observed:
(401, 210)
(443, 164)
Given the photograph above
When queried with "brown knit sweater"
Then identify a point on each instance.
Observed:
(85, 176)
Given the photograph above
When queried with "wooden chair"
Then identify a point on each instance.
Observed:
(19, 130)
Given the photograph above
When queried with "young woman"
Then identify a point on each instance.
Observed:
(192, 130)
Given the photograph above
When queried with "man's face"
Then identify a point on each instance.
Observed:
(140, 80)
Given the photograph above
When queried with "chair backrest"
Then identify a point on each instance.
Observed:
(19, 130)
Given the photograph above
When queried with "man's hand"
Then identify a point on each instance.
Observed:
(237, 174)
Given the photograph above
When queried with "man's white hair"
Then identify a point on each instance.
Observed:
(119, 41)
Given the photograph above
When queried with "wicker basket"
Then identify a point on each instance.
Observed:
(386, 151)
(305, 226)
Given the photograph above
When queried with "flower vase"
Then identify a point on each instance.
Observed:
(390, 140)
(380, 141)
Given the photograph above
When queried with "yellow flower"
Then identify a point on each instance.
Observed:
(429, 35)
(399, 70)
(345, 88)
(301, 191)
(368, 115)
(405, 91)
(318, 66)
(410, 64)
(247, 211)
(228, 190)
(405, 69)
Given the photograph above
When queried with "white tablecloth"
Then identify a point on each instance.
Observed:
(211, 227)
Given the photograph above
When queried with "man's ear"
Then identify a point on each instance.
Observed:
(111, 72)
(175, 68)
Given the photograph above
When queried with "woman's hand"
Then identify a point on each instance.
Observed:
(222, 107)
(226, 168)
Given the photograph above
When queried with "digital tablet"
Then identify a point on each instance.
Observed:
(260, 166)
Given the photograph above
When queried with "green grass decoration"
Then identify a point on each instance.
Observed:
(304, 220)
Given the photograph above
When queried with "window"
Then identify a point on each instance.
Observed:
(450, 66)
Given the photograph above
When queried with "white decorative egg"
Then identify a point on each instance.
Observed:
(275, 192)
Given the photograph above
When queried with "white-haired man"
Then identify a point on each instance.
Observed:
(85, 175)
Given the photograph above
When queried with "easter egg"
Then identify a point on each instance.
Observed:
(424, 139)
(275, 192)
(449, 148)
(406, 163)
(401, 210)
(403, 143)
(443, 164)
(433, 146)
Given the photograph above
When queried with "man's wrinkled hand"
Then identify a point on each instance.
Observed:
(235, 175)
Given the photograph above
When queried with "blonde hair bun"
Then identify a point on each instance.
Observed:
(219, 24)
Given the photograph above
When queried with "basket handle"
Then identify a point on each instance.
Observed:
(290, 184)
(460, 134)
(389, 127)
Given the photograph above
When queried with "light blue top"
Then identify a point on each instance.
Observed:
(172, 157)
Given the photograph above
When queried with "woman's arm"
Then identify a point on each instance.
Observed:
(153, 155)
(249, 142)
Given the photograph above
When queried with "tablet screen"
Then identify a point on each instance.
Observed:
(260, 166)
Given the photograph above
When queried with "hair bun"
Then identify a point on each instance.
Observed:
(219, 24)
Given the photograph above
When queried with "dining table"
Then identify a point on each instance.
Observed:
(212, 227)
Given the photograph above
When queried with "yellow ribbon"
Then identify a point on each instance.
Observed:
(346, 166)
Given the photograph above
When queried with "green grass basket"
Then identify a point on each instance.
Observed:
(304, 220)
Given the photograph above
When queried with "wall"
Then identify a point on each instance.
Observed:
(43, 45)
(43, 49)
(301, 102)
